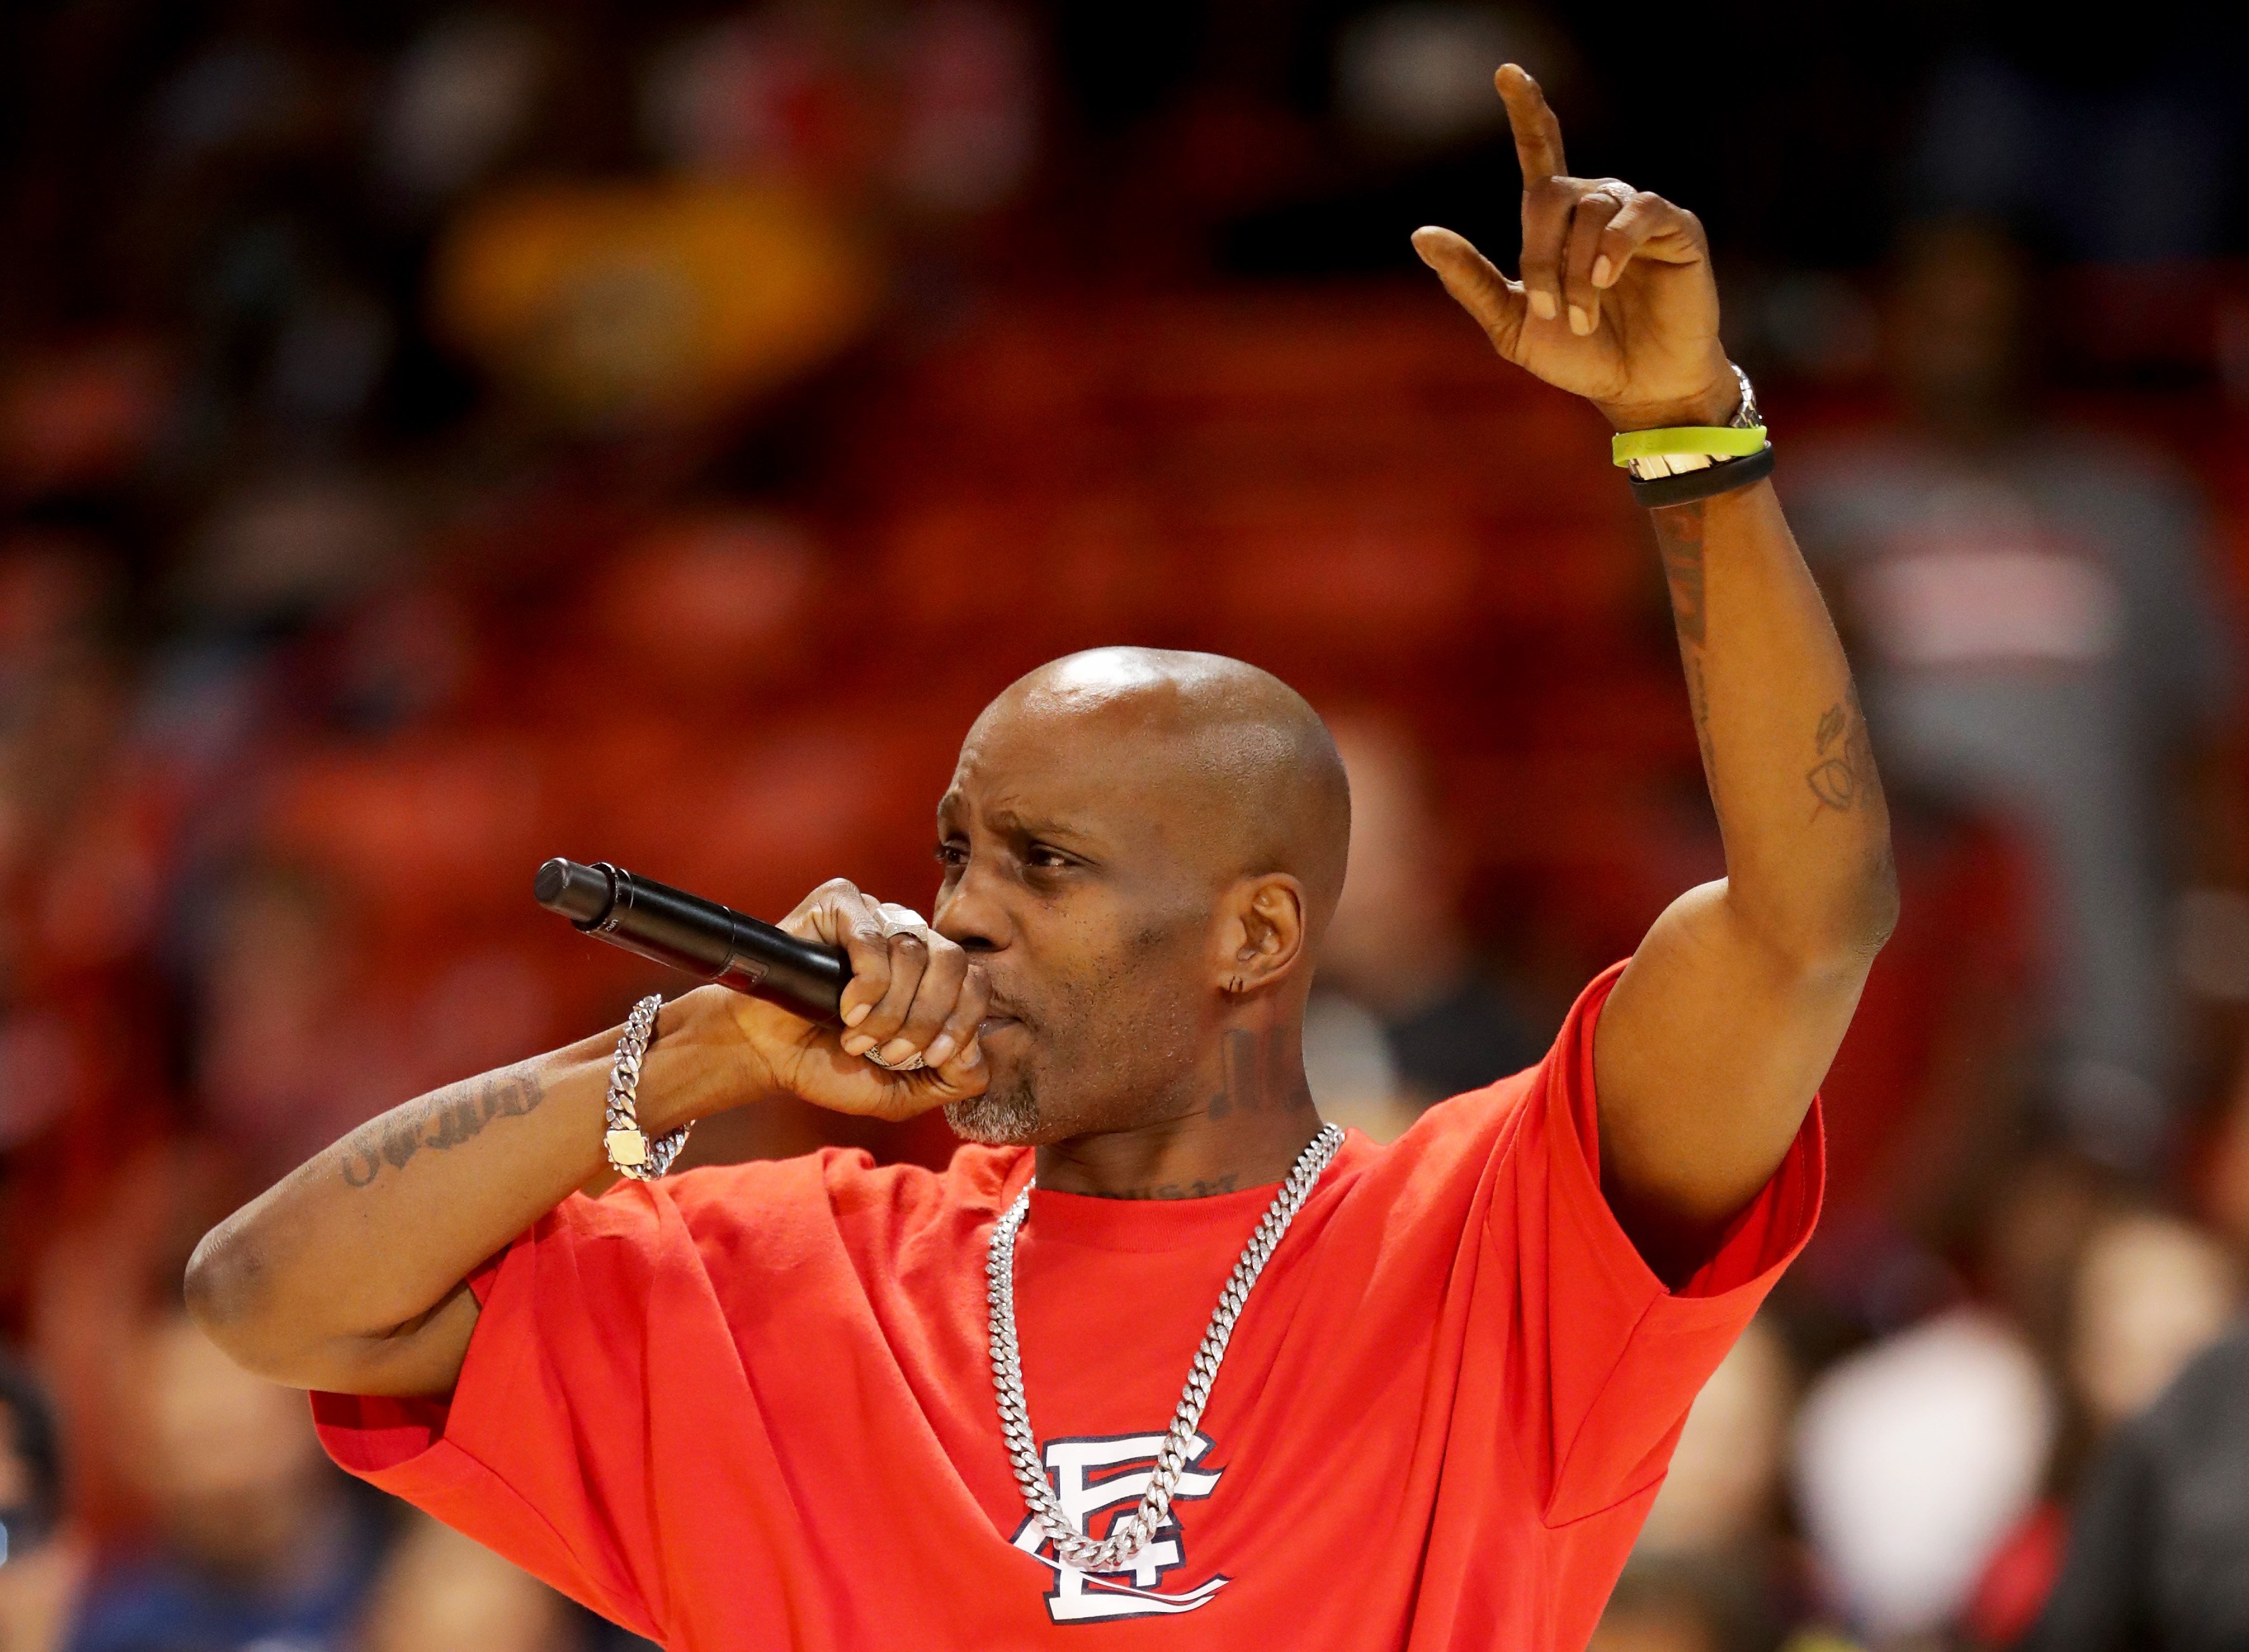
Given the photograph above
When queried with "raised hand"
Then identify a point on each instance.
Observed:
(1616, 303)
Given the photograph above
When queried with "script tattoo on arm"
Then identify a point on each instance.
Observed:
(1679, 536)
(440, 1121)
(1844, 776)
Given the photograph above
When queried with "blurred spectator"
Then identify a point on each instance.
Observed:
(1932, 1470)
(2039, 1211)
(1723, 1493)
(78, 415)
(2146, 1294)
(108, 1265)
(2152, 1292)
(938, 102)
(617, 306)
(441, 1592)
(2039, 637)
(1913, 1459)
(230, 234)
(286, 546)
(462, 96)
(288, 1058)
(60, 702)
(79, 895)
(2159, 1550)
(42, 1561)
(1410, 1015)
(256, 1541)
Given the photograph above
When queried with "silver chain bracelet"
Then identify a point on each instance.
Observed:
(631, 1152)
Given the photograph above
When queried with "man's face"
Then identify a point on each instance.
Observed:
(1071, 872)
(228, 1462)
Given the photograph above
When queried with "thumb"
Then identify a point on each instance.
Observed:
(963, 1073)
(1495, 301)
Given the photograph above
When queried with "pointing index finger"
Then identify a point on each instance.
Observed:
(1537, 134)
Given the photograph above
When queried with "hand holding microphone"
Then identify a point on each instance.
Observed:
(853, 1003)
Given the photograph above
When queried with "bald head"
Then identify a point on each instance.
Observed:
(1237, 760)
(1141, 850)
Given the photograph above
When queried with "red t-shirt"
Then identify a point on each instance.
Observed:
(752, 1406)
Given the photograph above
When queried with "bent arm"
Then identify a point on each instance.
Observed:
(348, 1274)
(1711, 1047)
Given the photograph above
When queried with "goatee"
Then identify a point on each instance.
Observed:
(998, 1118)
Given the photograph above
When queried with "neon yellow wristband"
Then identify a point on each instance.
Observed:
(1719, 441)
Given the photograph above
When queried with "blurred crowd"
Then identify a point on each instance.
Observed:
(438, 436)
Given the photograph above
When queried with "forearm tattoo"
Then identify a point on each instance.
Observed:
(441, 1121)
(1679, 536)
(1844, 776)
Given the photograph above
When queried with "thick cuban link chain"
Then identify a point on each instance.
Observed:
(1132, 1533)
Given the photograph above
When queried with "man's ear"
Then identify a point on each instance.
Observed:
(1263, 934)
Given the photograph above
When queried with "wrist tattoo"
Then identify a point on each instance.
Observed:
(441, 1120)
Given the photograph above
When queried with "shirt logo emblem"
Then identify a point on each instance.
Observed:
(1108, 1475)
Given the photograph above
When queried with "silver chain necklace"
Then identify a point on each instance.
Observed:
(1132, 1533)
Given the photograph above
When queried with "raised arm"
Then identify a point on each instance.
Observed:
(348, 1274)
(1713, 1043)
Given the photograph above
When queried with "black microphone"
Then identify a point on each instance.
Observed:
(700, 936)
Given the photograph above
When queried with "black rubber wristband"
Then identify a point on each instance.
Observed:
(1711, 480)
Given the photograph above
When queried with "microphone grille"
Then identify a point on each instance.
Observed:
(579, 893)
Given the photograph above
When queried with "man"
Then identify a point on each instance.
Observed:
(1399, 959)
(252, 1541)
(2159, 1548)
(763, 1406)
(2044, 645)
(42, 1559)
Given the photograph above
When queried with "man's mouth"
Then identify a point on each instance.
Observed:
(1000, 1005)
(1001, 1016)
